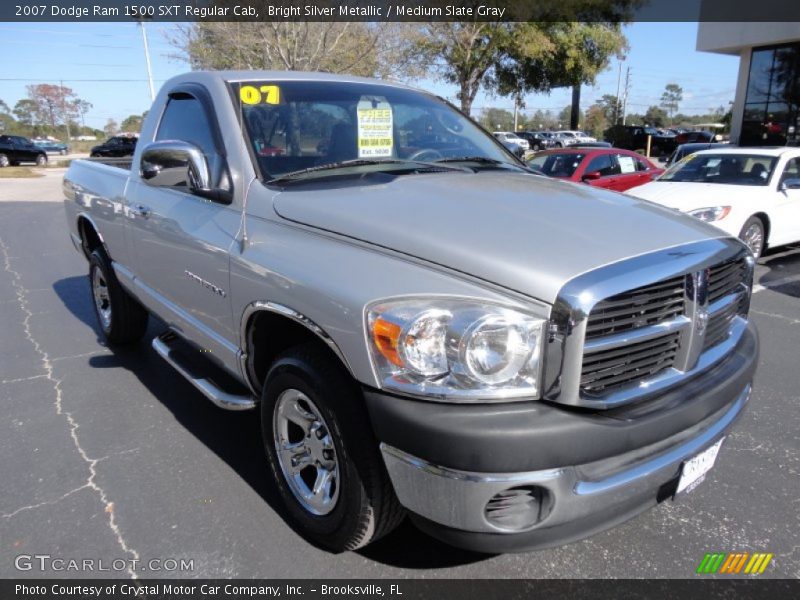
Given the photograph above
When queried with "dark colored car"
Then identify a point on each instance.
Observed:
(686, 149)
(610, 168)
(15, 149)
(50, 146)
(634, 137)
(538, 140)
(691, 137)
(117, 146)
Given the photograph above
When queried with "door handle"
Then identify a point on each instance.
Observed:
(142, 210)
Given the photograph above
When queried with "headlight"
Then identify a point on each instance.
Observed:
(710, 214)
(455, 349)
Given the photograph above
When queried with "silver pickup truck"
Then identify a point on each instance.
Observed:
(425, 326)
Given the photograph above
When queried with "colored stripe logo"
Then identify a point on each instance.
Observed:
(734, 563)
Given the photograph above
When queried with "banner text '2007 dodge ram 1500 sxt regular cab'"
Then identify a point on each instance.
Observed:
(426, 326)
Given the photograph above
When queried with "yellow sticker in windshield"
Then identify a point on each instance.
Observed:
(375, 137)
(269, 94)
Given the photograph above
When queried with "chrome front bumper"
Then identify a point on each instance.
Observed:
(588, 493)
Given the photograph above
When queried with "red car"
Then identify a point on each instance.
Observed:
(611, 168)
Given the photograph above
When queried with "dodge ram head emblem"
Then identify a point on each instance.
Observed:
(700, 321)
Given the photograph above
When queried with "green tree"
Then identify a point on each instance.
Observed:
(517, 58)
(564, 117)
(463, 53)
(132, 123)
(4, 109)
(542, 120)
(612, 108)
(497, 119)
(25, 111)
(596, 122)
(671, 99)
(656, 117)
(111, 127)
(82, 107)
(368, 49)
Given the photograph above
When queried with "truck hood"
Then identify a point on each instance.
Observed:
(688, 195)
(523, 232)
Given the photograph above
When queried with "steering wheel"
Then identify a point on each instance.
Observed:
(425, 154)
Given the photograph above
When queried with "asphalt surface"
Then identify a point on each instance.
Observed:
(110, 454)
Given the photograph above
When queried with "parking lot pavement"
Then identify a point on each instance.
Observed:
(110, 454)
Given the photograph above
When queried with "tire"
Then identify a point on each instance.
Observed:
(334, 441)
(121, 318)
(4, 162)
(753, 234)
(41, 160)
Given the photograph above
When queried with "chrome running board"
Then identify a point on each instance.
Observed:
(209, 389)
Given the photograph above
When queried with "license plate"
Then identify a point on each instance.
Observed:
(694, 470)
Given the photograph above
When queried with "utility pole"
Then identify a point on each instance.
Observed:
(575, 111)
(516, 111)
(147, 60)
(616, 103)
(625, 94)
(64, 109)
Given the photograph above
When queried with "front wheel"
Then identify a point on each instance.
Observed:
(41, 160)
(4, 162)
(322, 452)
(121, 318)
(753, 235)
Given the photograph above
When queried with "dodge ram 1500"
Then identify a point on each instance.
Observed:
(426, 326)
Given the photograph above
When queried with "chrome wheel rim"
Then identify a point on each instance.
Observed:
(41, 161)
(305, 452)
(102, 300)
(3, 161)
(754, 238)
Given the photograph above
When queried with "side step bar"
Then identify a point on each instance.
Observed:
(209, 389)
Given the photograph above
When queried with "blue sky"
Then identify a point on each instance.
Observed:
(104, 64)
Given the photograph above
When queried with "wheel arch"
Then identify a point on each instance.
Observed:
(269, 328)
(90, 235)
(767, 225)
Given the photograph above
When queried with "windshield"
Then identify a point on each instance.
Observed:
(556, 165)
(310, 125)
(734, 169)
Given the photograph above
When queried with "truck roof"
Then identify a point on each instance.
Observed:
(230, 76)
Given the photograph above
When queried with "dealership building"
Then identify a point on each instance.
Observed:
(766, 108)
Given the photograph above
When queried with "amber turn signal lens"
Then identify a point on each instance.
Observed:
(387, 337)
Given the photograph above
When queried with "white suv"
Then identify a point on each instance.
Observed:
(511, 138)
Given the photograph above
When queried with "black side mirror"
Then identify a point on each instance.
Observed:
(789, 184)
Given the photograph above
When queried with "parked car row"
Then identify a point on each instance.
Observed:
(522, 141)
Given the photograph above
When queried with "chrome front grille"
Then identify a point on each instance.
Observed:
(725, 279)
(725, 298)
(660, 331)
(646, 305)
(719, 326)
(618, 367)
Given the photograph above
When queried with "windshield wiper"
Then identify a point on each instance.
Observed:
(356, 162)
(477, 159)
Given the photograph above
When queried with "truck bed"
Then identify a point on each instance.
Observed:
(120, 163)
